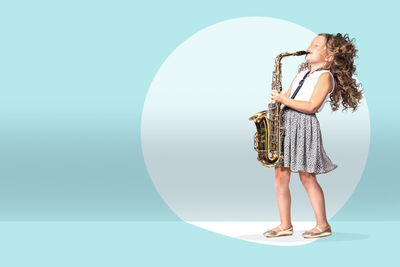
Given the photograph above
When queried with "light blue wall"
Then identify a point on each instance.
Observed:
(74, 76)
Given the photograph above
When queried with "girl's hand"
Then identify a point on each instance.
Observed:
(278, 97)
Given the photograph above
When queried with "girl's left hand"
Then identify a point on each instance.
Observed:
(278, 97)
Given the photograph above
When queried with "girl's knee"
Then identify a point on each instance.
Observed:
(307, 178)
(282, 176)
(282, 171)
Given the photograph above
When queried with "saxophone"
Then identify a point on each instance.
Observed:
(268, 138)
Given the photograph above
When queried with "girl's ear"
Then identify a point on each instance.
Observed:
(329, 58)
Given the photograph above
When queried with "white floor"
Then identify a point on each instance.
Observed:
(253, 231)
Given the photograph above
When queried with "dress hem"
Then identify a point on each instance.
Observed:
(320, 172)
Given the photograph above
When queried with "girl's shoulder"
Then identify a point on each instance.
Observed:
(317, 74)
(328, 71)
(323, 71)
(332, 78)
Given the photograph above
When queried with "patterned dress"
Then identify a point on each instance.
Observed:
(303, 148)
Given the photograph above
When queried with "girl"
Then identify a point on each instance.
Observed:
(327, 73)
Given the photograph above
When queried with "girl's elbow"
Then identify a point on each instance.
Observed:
(314, 109)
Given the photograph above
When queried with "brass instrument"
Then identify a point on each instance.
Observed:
(268, 138)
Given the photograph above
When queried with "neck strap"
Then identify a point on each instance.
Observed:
(302, 81)
(300, 85)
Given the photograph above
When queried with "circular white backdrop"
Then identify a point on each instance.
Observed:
(198, 142)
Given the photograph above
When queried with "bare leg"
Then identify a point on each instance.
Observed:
(317, 199)
(282, 178)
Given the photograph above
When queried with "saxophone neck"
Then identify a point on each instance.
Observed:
(277, 74)
(286, 54)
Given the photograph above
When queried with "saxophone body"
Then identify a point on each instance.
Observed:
(269, 136)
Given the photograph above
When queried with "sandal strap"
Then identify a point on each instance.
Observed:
(280, 227)
(327, 229)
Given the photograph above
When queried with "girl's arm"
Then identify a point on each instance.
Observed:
(321, 90)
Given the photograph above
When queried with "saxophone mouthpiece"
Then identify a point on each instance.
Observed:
(299, 53)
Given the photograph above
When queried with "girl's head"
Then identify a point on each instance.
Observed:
(336, 52)
(318, 52)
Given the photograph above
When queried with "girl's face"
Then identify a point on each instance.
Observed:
(318, 51)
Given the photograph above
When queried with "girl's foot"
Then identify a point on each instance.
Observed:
(318, 231)
(279, 231)
(322, 227)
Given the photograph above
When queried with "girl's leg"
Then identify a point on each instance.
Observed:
(317, 199)
(282, 178)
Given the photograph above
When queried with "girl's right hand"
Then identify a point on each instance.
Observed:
(273, 93)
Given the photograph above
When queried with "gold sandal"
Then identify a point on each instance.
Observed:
(309, 234)
(282, 232)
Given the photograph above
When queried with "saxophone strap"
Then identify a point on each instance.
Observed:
(302, 81)
(300, 85)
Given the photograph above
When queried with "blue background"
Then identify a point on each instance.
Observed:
(74, 76)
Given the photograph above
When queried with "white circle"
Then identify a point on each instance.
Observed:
(198, 142)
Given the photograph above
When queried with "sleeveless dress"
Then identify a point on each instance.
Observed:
(302, 140)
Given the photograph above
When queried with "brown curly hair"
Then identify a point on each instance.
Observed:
(347, 91)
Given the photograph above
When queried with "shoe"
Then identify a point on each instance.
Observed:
(282, 232)
(309, 234)
(310, 231)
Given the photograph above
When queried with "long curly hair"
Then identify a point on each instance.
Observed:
(347, 91)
